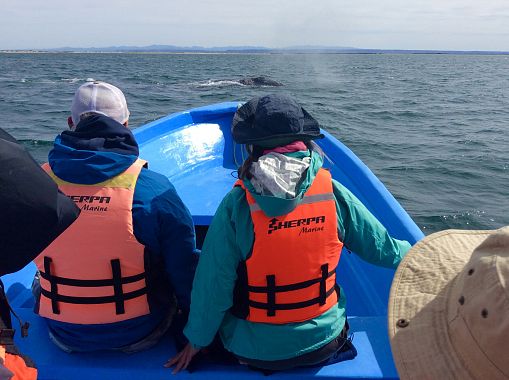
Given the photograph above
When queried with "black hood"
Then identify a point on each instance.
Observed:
(103, 134)
(273, 120)
(32, 210)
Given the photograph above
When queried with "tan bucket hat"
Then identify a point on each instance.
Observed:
(449, 307)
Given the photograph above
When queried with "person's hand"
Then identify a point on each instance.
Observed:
(182, 359)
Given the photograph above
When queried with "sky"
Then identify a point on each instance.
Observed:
(375, 24)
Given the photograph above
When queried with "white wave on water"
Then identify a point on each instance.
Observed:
(71, 80)
(37, 81)
(49, 81)
(77, 80)
(42, 80)
(218, 83)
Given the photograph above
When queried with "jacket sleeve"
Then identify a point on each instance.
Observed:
(215, 276)
(363, 234)
(164, 225)
(33, 211)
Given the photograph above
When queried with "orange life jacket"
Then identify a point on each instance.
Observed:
(17, 365)
(94, 272)
(21, 366)
(291, 273)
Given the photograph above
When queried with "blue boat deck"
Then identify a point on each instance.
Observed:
(371, 362)
(195, 150)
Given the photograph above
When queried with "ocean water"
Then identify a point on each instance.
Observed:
(433, 128)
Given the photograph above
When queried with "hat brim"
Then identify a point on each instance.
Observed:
(420, 295)
(278, 128)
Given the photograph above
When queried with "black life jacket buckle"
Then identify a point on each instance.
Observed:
(24, 329)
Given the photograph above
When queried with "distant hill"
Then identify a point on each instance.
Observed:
(163, 49)
(305, 49)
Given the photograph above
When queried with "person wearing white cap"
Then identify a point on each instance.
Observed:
(449, 307)
(99, 98)
(115, 279)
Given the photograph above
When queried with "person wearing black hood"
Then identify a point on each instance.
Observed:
(30, 221)
(266, 279)
(116, 278)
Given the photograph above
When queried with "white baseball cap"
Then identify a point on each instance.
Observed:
(101, 98)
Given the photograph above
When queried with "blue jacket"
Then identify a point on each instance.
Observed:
(101, 148)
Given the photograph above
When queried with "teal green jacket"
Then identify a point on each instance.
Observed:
(228, 242)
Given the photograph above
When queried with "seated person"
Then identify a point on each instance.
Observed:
(115, 279)
(266, 278)
(30, 221)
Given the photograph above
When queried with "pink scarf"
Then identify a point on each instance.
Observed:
(290, 148)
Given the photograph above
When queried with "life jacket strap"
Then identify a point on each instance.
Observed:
(5, 317)
(91, 283)
(53, 285)
(295, 286)
(118, 297)
(271, 306)
(95, 300)
(117, 286)
(271, 289)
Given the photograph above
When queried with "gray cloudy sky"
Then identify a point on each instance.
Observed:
(385, 24)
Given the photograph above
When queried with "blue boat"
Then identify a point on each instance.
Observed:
(196, 151)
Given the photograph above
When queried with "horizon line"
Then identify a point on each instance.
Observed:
(159, 48)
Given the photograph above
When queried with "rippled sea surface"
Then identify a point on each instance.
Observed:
(433, 128)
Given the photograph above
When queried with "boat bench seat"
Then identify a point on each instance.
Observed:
(370, 336)
(374, 359)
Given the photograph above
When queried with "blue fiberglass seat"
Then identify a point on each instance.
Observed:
(195, 150)
(373, 361)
